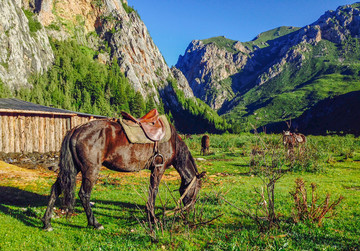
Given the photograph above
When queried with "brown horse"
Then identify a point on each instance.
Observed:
(205, 144)
(291, 140)
(103, 142)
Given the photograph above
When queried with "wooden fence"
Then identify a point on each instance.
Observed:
(42, 132)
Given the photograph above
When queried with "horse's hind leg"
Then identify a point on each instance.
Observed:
(88, 182)
(55, 192)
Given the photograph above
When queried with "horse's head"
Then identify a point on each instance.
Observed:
(190, 178)
(286, 133)
(190, 191)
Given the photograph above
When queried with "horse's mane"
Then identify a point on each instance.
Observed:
(182, 151)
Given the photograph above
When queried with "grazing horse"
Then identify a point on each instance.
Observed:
(291, 140)
(205, 144)
(104, 143)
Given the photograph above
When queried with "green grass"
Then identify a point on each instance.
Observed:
(119, 207)
(262, 40)
(222, 42)
(34, 25)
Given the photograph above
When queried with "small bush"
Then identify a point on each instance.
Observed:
(34, 25)
(313, 211)
(305, 158)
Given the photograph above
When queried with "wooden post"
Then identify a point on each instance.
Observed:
(36, 133)
(47, 135)
(52, 134)
(22, 133)
(1, 139)
(11, 133)
(17, 133)
(5, 125)
(58, 133)
(42, 134)
(28, 146)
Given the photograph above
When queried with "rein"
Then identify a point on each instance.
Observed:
(178, 204)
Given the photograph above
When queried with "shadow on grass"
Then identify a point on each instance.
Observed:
(22, 205)
(17, 197)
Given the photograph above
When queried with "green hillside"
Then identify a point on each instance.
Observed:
(263, 38)
(221, 42)
(295, 89)
(260, 40)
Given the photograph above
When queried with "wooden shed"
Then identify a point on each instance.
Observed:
(27, 127)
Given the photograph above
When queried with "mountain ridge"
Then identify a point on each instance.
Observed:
(275, 81)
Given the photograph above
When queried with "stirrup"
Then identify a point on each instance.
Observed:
(162, 160)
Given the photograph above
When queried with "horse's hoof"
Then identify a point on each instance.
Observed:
(100, 227)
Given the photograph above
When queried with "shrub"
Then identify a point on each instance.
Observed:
(34, 25)
(313, 211)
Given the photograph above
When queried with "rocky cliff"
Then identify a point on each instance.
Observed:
(98, 24)
(24, 45)
(206, 65)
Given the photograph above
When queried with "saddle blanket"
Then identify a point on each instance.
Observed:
(136, 135)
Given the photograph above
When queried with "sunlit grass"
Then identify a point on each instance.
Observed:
(120, 204)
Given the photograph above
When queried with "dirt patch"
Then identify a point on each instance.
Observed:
(25, 172)
(9, 171)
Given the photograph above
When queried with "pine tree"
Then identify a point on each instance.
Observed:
(150, 104)
(137, 105)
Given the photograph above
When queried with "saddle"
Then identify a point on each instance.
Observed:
(151, 124)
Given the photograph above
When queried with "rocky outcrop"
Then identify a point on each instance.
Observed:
(241, 66)
(206, 65)
(22, 52)
(182, 82)
(137, 54)
(337, 25)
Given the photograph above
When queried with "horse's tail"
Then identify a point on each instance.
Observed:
(68, 172)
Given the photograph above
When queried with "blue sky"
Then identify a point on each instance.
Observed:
(174, 24)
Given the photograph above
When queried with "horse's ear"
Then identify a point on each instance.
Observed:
(200, 175)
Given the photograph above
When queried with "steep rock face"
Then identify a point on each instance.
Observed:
(336, 25)
(137, 54)
(22, 52)
(126, 35)
(205, 65)
(182, 82)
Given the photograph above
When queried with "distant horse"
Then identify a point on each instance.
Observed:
(103, 142)
(291, 140)
(205, 144)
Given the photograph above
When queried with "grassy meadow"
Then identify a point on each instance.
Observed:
(229, 214)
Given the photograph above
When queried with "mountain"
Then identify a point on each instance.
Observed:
(209, 64)
(94, 56)
(281, 73)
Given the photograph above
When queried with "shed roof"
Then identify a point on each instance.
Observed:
(17, 105)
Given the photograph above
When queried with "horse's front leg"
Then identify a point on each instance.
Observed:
(156, 175)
